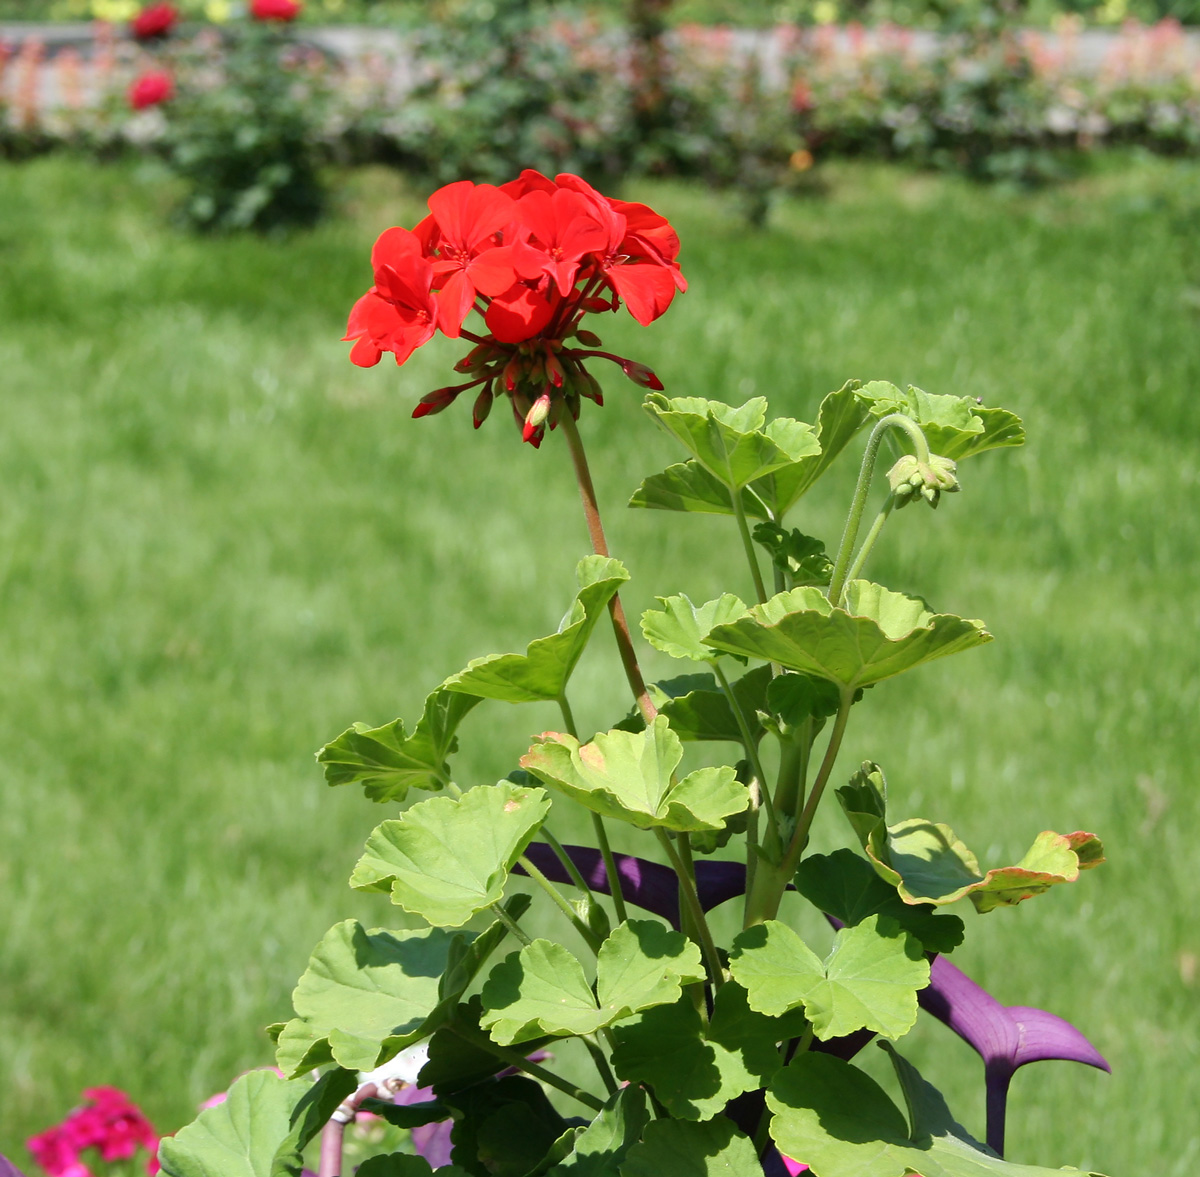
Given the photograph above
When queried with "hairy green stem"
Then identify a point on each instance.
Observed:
(854, 520)
(872, 535)
(568, 863)
(610, 863)
(595, 526)
(739, 510)
(680, 860)
(590, 937)
(793, 772)
(511, 924)
(602, 1067)
(516, 1059)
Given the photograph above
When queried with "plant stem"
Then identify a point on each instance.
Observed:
(516, 1059)
(510, 923)
(872, 536)
(536, 875)
(804, 824)
(793, 771)
(739, 510)
(610, 863)
(567, 861)
(602, 1067)
(687, 888)
(861, 490)
(591, 511)
(756, 767)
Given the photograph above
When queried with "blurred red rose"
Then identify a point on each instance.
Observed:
(280, 10)
(151, 88)
(155, 20)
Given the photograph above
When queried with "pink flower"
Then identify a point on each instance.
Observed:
(280, 10)
(109, 1122)
(151, 88)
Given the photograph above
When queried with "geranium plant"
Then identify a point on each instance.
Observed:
(734, 1058)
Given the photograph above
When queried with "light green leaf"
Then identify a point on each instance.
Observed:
(928, 864)
(601, 1147)
(878, 634)
(542, 672)
(695, 1074)
(542, 989)
(847, 887)
(364, 995)
(630, 776)
(687, 486)
(869, 980)
(678, 1148)
(844, 1125)
(239, 1137)
(448, 858)
(955, 427)
(841, 415)
(387, 762)
(679, 627)
(697, 709)
(732, 443)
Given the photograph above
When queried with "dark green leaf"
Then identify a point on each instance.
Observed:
(503, 1129)
(848, 888)
(601, 1147)
(448, 858)
(310, 1116)
(403, 1164)
(697, 709)
(679, 1148)
(799, 557)
(387, 762)
(542, 672)
(408, 1115)
(689, 487)
(454, 1061)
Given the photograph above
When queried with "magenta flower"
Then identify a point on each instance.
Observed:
(109, 1121)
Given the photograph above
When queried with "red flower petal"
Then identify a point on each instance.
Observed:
(520, 313)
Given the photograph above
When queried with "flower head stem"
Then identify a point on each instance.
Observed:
(739, 511)
(892, 421)
(680, 860)
(591, 511)
(590, 937)
(872, 535)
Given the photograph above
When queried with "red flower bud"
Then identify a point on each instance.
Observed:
(435, 402)
(641, 375)
(588, 338)
(483, 406)
(536, 417)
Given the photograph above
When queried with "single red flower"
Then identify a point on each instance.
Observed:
(275, 10)
(398, 314)
(154, 21)
(563, 227)
(151, 88)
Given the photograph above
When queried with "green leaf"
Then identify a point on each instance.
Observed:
(732, 443)
(679, 627)
(239, 1137)
(697, 709)
(848, 888)
(542, 672)
(687, 486)
(448, 858)
(878, 634)
(601, 1146)
(800, 557)
(678, 1148)
(843, 1123)
(387, 762)
(695, 1074)
(841, 415)
(310, 1116)
(630, 776)
(364, 996)
(404, 1164)
(955, 427)
(928, 864)
(542, 989)
(869, 980)
(504, 1129)
(408, 1115)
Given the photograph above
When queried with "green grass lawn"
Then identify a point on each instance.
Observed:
(220, 543)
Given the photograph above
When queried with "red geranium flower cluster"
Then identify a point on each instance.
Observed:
(151, 88)
(531, 257)
(280, 10)
(109, 1122)
(154, 21)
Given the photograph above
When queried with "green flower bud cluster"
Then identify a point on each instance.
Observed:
(911, 477)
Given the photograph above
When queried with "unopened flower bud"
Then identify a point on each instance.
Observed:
(910, 477)
(483, 406)
(435, 402)
(536, 417)
(592, 391)
(587, 338)
(476, 358)
(641, 375)
(554, 369)
(512, 373)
